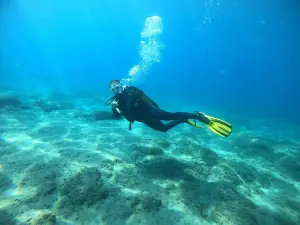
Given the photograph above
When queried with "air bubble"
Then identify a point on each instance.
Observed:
(150, 50)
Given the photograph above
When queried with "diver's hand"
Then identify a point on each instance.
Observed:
(118, 110)
(114, 104)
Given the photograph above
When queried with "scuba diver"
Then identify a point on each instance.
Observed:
(135, 105)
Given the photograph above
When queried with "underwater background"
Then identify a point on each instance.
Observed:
(63, 160)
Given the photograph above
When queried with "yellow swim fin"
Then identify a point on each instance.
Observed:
(218, 126)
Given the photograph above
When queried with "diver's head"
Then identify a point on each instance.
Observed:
(116, 87)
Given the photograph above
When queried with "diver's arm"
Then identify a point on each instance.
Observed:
(115, 110)
(116, 113)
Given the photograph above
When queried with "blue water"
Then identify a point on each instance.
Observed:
(246, 59)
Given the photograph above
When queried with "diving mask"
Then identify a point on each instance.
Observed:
(115, 86)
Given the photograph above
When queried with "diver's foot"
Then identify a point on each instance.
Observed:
(202, 118)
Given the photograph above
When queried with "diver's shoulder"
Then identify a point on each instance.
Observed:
(132, 88)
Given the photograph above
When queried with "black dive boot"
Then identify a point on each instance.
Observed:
(199, 116)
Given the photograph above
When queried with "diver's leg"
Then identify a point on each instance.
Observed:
(156, 124)
(160, 114)
(183, 116)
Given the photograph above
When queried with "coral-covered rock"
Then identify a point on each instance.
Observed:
(6, 218)
(9, 99)
(86, 187)
(210, 157)
(146, 203)
(150, 203)
(42, 178)
(139, 152)
(44, 218)
(290, 165)
(5, 182)
(162, 143)
(254, 147)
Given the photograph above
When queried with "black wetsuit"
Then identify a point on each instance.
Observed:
(134, 108)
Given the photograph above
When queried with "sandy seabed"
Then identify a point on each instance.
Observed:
(63, 160)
